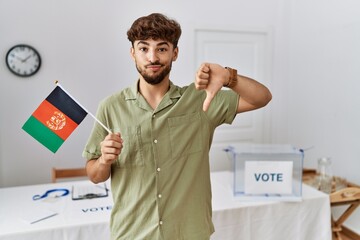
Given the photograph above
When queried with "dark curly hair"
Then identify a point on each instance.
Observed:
(155, 26)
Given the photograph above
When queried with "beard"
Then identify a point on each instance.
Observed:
(156, 78)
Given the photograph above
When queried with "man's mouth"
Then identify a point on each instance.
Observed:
(154, 67)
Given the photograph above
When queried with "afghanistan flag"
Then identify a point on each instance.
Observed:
(55, 119)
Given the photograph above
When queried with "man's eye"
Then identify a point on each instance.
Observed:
(143, 49)
(162, 49)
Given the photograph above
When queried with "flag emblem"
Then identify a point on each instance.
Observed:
(55, 119)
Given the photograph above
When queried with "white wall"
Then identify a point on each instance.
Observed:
(323, 101)
(324, 107)
(83, 44)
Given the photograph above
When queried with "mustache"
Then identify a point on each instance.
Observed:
(154, 63)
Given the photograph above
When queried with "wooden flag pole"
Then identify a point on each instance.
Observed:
(97, 120)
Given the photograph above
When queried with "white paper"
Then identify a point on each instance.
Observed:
(268, 177)
(85, 189)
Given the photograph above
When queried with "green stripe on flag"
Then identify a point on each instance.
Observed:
(42, 134)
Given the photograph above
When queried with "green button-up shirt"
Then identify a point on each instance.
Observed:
(161, 180)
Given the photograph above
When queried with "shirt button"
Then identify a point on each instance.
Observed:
(161, 222)
(155, 141)
(158, 169)
(159, 195)
(153, 116)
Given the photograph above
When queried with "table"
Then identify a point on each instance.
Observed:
(76, 220)
(349, 196)
(268, 220)
(233, 219)
(343, 193)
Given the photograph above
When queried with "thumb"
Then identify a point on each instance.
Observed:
(209, 97)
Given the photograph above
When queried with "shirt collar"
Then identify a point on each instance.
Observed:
(133, 92)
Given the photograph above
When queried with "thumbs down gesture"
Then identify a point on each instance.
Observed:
(211, 78)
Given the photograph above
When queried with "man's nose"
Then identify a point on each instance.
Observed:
(152, 56)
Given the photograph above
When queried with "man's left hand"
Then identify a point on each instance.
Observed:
(211, 77)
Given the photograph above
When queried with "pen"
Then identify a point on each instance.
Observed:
(49, 216)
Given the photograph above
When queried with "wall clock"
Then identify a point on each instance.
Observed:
(23, 60)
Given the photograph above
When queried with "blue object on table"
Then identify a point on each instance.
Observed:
(46, 194)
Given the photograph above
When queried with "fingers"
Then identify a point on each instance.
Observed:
(202, 76)
(206, 104)
(210, 77)
(111, 148)
(205, 67)
(209, 97)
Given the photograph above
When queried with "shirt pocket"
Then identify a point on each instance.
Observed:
(131, 154)
(185, 135)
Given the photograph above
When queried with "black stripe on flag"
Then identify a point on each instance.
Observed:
(67, 105)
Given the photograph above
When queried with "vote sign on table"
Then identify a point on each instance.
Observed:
(268, 177)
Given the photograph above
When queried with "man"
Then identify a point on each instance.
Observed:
(158, 154)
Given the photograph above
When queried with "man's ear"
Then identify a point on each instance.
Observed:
(132, 53)
(176, 53)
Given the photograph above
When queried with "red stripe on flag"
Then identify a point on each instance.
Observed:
(55, 120)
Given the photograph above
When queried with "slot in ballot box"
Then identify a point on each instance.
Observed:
(267, 171)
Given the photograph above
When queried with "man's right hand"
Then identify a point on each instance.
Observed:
(99, 170)
(110, 148)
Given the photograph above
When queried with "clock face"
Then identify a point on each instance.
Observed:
(23, 60)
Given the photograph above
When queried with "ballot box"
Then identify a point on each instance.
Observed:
(267, 171)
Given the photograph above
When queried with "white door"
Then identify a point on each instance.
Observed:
(249, 53)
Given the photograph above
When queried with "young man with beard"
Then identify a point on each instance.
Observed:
(158, 154)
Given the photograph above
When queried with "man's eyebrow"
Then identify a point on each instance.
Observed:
(143, 42)
(163, 43)
(147, 44)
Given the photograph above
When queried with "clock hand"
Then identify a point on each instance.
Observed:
(24, 60)
(19, 58)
